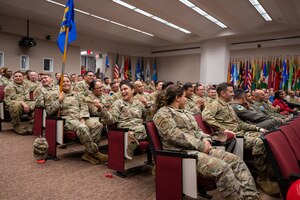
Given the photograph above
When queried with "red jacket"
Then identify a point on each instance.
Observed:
(283, 106)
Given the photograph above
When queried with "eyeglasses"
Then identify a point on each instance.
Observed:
(98, 88)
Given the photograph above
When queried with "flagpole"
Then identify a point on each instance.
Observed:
(63, 65)
(64, 60)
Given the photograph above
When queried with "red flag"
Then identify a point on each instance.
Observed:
(126, 69)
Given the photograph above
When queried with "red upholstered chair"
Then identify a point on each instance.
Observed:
(234, 145)
(295, 124)
(283, 160)
(39, 120)
(117, 145)
(292, 139)
(55, 134)
(176, 172)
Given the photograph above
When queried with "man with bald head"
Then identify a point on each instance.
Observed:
(140, 95)
(259, 96)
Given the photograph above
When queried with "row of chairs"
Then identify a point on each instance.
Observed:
(283, 149)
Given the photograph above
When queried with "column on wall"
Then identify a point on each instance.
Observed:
(214, 61)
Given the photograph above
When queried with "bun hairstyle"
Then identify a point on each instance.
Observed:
(92, 84)
(126, 82)
(167, 96)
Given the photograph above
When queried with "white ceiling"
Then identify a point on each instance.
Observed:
(239, 16)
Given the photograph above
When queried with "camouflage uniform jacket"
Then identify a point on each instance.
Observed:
(43, 93)
(293, 100)
(82, 88)
(146, 95)
(221, 116)
(179, 130)
(126, 115)
(72, 106)
(116, 96)
(34, 85)
(16, 92)
(250, 115)
(191, 106)
(265, 108)
(5, 81)
(104, 99)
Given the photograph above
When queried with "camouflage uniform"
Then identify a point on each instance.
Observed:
(14, 93)
(116, 96)
(5, 81)
(126, 115)
(82, 88)
(73, 109)
(221, 116)
(149, 115)
(34, 85)
(42, 93)
(179, 130)
(265, 108)
(104, 99)
(191, 106)
(254, 116)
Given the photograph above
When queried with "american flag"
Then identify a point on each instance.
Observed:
(116, 68)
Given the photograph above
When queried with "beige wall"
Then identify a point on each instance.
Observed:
(266, 52)
(9, 44)
(182, 68)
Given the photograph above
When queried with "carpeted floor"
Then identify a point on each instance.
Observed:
(70, 178)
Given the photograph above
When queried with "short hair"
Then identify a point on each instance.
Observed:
(45, 74)
(18, 72)
(223, 87)
(239, 93)
(196, 86)
(167, 84)
(112, 83)
(86, 73)
(187, 86)
(92, 84)
(157, 82)
(105, 78)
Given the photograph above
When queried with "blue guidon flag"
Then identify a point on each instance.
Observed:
(67, 21)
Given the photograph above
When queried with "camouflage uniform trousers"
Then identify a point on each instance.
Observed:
(89, 133)
(231, 174)
(254, 143)
(16, 110)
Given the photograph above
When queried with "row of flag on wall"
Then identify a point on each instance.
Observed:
(273, 72)
(125, 71)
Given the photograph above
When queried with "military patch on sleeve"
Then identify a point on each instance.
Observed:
(261, 107)
(240, 108)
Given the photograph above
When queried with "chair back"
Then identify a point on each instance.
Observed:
(154, 139)
(292, 139)
(283, 160)
(206, 129)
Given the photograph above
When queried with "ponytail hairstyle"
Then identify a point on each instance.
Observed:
(167, 96)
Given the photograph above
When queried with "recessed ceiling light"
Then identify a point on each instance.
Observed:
(203, 13)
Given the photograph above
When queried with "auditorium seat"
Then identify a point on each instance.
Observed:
(292, 139)
(176, 172)
(283, 160)
(232, 144)
(117, 145)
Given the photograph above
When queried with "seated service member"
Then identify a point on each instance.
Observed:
(83, 86)
(127, 113)
(6, 77)
(17, 101)
(190, 104)
(221, 116)
(248, 113)
(179, 130)
(98, 93)
(46, 91)
(76, 114)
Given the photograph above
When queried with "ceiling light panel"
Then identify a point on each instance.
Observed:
(104, 19)
(260, 10)
(203, 13)
(122, 3)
